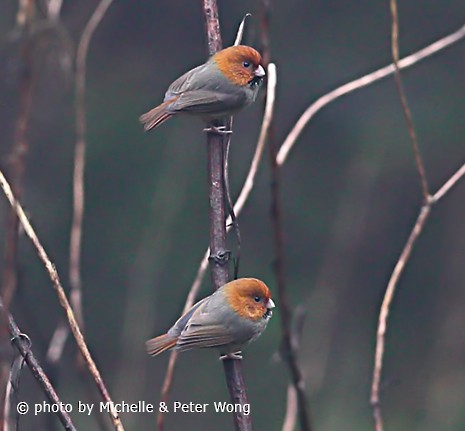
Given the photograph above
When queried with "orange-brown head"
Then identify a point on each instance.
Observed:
(240, 64)
(249, 298)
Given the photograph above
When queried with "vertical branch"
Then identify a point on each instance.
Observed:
(219, 256)
(288, 351)
(403, 100)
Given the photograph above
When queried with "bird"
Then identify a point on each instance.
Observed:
(226, 83)
(235, 314)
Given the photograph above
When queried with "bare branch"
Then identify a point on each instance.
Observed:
(53, 274)
(358, 83)
(384, 312)
(79, 157)
(403, 100)
(391, 289)
(451, 182)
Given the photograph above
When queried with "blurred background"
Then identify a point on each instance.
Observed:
(350, 195)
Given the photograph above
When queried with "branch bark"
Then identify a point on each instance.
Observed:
(219, 255)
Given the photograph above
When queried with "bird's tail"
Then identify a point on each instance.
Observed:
(156, 116)
(159, 344)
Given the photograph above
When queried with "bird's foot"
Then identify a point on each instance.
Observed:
(236, 355)
(217, 130)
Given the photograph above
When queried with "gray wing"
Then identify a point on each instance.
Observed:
(204, 102)
(204, 328)
(186, 82)
(198, 92)
(180, 324)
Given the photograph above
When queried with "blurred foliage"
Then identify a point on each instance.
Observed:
(350, 194)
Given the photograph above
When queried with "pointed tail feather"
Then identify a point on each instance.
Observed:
(159, 344)
(157, 115)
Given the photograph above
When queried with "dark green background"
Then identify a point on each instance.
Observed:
(350, 195)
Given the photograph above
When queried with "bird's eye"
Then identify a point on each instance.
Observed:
(246, 64)
(256, 298)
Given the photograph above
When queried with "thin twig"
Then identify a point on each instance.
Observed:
(403, 100)
(358, 83)
(391, 289)
(79, 158)
(451, 182)
(227, 147)
(53, 274)
(384, 312)
(23, 345)
(60, 336)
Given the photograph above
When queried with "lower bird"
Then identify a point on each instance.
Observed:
(232, 316)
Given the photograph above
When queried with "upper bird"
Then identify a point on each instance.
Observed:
(226, 83)
(232, 316)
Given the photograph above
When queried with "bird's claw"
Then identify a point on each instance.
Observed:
(217, 130)
(236, 355)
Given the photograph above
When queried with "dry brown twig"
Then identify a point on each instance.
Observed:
(428, 202)
(54, 277)
(403, 100)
